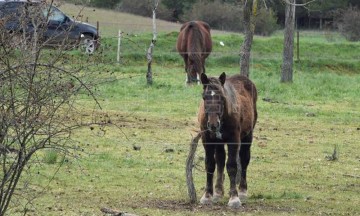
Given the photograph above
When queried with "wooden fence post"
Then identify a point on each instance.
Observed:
(297, 46)
(119, 46)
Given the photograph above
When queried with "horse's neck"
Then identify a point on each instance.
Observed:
(231, 99)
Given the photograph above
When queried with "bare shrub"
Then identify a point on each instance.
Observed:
(39, 91)
(349, 24)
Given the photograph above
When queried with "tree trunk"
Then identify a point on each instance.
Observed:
(250, 12)
(149, 53)
(288, 53)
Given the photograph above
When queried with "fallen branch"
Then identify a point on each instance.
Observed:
(189, 167)
(113, 212)
(352, 176)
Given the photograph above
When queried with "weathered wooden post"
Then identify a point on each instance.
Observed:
(297, 46)
(119, 46)
(189, 167)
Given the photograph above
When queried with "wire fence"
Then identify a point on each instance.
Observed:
(131, 46)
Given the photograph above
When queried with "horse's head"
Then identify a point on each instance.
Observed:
(214, 102)
(193, 69)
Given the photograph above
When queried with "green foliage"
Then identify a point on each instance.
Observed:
(144, 8)
(177, 7)
(326, 6)
(266, 22)
(223, 16)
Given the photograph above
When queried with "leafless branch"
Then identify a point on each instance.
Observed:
(303, 4)
(38, 110)
(189, 167)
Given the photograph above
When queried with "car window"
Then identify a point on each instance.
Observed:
(55, 14)
(10, 8)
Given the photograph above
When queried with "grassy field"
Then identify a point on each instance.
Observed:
(299, 126)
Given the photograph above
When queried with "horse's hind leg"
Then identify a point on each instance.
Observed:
(220, 165)
(244, 161)
(210, 168)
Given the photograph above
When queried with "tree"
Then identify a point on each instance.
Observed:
(288, 51)
(38, 89)
(323, 9)
(178, 7)
(149, 53)
(249, 15)
(349, 24)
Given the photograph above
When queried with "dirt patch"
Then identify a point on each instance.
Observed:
(216, 209)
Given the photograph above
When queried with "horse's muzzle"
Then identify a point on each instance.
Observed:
(214, 127)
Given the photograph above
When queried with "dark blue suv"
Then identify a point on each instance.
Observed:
(52, 25)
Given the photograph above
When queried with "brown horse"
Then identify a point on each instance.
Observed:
(227, 115)
(194, 45)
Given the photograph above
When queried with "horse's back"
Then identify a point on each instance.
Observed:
(187, 29)
(244, 86)
(246, 98)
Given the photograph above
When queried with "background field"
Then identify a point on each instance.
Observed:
(299, 126)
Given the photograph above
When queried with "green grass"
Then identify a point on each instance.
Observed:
(289, 173)
(50, 157)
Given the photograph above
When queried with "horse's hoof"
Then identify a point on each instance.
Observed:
(234, 202)
(243, 196)
(217, 197)
(206, 199)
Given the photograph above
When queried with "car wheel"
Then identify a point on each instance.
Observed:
(87, 44)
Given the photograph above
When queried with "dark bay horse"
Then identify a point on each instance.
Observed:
(194, 45)
(227, 115)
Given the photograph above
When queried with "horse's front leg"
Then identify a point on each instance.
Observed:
(210, 168)
(220, 165)
(231, 167)
(187, 80)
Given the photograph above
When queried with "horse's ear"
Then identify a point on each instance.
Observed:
(204, 79)
(222, 78)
